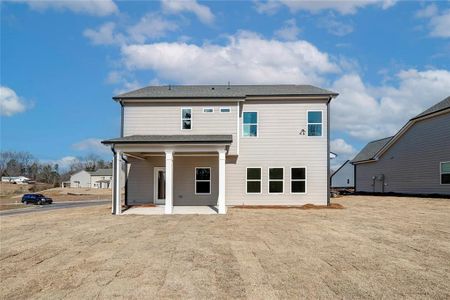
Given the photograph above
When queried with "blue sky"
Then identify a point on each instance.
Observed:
(61, 62)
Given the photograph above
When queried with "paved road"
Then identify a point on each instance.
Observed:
(55, 205)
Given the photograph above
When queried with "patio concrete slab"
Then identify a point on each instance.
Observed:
(177, 210)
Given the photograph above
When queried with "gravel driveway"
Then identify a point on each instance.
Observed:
(376, 247)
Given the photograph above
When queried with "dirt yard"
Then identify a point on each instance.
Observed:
(377, 247)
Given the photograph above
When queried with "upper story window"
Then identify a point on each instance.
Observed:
(250, 124)
(445, 172)
(208, 110)
(186, 118)
(225, 109)
(315, 123)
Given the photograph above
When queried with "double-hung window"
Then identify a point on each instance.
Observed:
(186, 118)
(250, 124)
(276, 180)
(298, 180)
(445, 172)
(202, 181)
(315, 123)
(253, 180)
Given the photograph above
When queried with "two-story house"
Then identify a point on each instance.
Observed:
(220, 145)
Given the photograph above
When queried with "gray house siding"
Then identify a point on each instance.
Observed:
(279, 144)
(412, 163)
(81, 179)
(165, 118)
(344, 177)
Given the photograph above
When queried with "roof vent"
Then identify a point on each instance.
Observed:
(170, 87)
(213, 88)
(228, 87)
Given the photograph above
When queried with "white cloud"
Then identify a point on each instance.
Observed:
(340, 146)
(92, 145)
(275, 61)
(10, 103)
(369, 113)
(202, 12)
(439, 21)
(104, 35)
(91, 7)
(151, 26)
(342, 7)
(335, 27)
(289, 31)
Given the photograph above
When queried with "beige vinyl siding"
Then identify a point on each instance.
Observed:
(411, 165)
(80, 179)
(141, 179)
(165, 118)
(279, 144)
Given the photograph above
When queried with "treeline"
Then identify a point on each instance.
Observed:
(17, 163)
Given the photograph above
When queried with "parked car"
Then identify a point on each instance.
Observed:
(36, 199)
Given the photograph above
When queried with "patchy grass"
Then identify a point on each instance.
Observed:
(378, 247)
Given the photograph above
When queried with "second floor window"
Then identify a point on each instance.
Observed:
(250, 124)
(186, 118)
(315, 123)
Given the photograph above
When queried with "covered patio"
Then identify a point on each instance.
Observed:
(176, 173)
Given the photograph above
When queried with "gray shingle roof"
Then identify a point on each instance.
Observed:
(224, 91)
(102, 172)
(175, 139)
(369, 151)
(444, 104)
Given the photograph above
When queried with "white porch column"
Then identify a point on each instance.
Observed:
(117, 203)
(221, 197)
(169, 182)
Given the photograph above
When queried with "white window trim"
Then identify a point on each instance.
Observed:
(305, 180)
(257, 124)
(269, 180)
(440, 172)
(195, 180)
(181, 115)
(225, 112)
(208, 112)
(260, 181)
(321, 123)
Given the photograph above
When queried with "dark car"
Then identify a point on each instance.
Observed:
(36, 199)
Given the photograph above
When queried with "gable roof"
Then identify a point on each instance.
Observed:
(444, 104)
(101, 172)
(369, 151)
(172, 139)
(224, 91)
(376, 148)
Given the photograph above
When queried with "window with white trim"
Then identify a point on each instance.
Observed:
(186, 118)
(203, 181)
(253, 180)
(445, 172)
(276, 180)
(208, 110)
(225, 109)
(250, 124)
(315, 123)
(298, 180)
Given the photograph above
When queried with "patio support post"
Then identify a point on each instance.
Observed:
(169, 182)
(117, 203)
(221, 197)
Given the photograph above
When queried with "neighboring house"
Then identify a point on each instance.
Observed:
(221, 145)
(92, 179)
(16, 179)
(414, 161)
(344, 177)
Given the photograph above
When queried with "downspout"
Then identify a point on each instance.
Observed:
(121, 118)
(113, 206)
(328, 153)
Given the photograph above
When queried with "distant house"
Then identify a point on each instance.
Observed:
(344, 177)
(92, 179)
(414, 161)
(16, 179)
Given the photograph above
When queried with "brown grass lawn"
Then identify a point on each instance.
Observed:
(377, 247)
